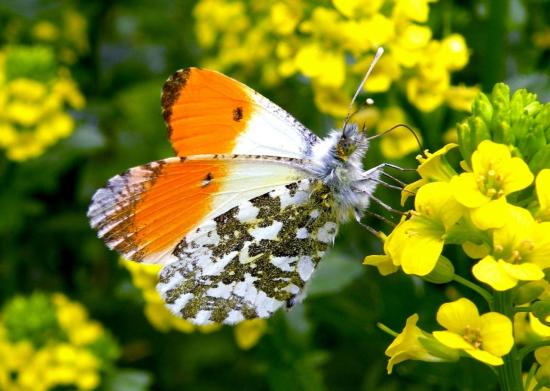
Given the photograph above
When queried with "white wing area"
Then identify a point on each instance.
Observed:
(272, 131)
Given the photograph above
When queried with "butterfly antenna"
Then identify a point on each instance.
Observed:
(395, 127)
(377, 56)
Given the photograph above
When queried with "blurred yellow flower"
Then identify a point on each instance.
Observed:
(332, 45)
(249, 332)
(486, 338)
(145, 277)
(461, 98)
(66, 359)
(495, 174)
(33, 113)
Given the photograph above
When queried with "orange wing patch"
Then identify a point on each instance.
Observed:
(150, 208)
(205, 111)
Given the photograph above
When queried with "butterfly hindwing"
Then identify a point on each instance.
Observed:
(254, 258)
(209, 113)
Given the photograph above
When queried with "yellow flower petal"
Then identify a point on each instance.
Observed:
(249, 332)
(516, 174)
(487, 154)
(485, 357)
(416, 246)
(496, 333)
(522, 271)
(489, 271)
(538, 327)
(466, 191)
(383, 263)
(543, 194)
(490, 215)
(542, 354)
(475, 251)
(436, 202)
(458, 316)
(432, 166)
(452, 340)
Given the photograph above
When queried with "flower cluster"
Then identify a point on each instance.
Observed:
(64, 29)
(48, 342)
(35, 95)
(145, 278)
(496, 207)
(332, 44)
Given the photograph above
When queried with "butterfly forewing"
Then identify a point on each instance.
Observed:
(208, 112)
(254, 258)
(144, 212)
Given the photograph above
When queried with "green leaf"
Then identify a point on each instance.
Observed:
(129, 380)
(333, 273)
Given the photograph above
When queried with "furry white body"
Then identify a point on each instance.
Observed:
(352, 186)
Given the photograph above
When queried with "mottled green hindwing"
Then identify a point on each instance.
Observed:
(251, 260)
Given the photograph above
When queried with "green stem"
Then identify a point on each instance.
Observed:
(529, 348)
(469, 284)
(495, 45)
(510, 372)
(522, 309)
(387, 330)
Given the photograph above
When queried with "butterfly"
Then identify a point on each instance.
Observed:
(242, 216)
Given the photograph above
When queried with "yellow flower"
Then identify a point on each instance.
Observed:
(249, 332)
(495, 174)
(460, 97)
(325, 66)
(542, 355)
(333, 101)
(416, 10)
(145, 277)
(454, 51)
(432, 167)
(427, 94)
(284, 17)
(538, 327)
(409, 44)
(542, 184)
(486, 338)
(45, 31)
(407, 346)
(521, 250)
(357, 8)
(383, 263)
(418, 242)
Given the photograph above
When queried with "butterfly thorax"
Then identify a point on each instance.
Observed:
(337, 160)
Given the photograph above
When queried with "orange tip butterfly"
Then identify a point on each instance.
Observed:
(240, 219)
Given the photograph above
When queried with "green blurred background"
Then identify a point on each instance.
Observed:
(94, 111)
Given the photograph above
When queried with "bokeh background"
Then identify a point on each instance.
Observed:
(79, 102)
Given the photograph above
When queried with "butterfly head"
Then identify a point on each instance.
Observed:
(351, 143)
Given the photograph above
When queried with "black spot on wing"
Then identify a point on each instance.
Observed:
(237, 114)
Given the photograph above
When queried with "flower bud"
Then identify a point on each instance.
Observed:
(529, 291)
(442, 273)
(541, 310)
(543, 374)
